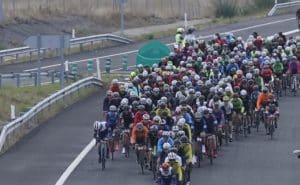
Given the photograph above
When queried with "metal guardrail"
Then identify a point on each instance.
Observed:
(283, 5)
(76, 41)
(10, 127)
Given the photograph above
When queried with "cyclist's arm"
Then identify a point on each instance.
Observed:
(258, 102)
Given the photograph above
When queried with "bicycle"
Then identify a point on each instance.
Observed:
(113, 142)
(294, 84)
(284, 83)
(245, 124)
(271, 125)
(210, 148)
(200, 148)
(236, 122)
(278, 87)
(125, 135)
(256, 118)
(102, 149)
(220, 135)
(154, 163)
(141, 154)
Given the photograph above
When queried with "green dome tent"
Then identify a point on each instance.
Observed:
(151, 53)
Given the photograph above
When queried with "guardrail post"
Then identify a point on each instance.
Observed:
(92, 45)
(17, 57)
(35, 75)
(56, 52)
(125, 62)
(30, 56)
(44, 53)
(52, 76)
(18, 80)
(80, 47)
(107, 65)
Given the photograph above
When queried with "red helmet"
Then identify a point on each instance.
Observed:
(165, 166)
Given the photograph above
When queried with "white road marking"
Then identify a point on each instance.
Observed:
(169, 44)
(75, 163)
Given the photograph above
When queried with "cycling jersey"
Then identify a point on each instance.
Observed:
(237, 104)
(277, 68)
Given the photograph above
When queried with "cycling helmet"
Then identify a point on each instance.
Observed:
(180, 133)
(256, 71)
(112, 108)
(166, 146)
(146, 117)
(139, 127)
(184, 139)
(165, 134)
(181, 121)
(141, 107)
(249, 76)
(227, 89)
(265, 90)
(165, 167)
(243, 92)
(157, 119)
(198, 94)
(114, 81)
(154, 128)
(175, 128)
(124, 102)
(226, 98)
(97, 125)
(172, 156)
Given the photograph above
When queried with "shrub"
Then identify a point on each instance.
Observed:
(226, 8)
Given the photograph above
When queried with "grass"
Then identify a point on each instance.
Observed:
(23, 98)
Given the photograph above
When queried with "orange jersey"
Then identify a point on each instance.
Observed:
(262, 98)
(136, 136)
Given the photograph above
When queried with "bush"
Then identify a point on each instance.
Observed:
(226, 8)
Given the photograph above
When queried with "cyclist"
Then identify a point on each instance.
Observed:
(246, 103)
(209, 122)
(273, 108)
(112, 118)
(262, 98)
(139, 136)
(185, 127)
(164, 153)
(187, 156)
(166, 175)
(227, 108)
(100, 133)
(175, 162)
(164, 139)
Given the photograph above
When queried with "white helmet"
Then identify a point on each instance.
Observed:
(166, 146)
(227, 89)
(124, 102)
(175, 128)
(172, 156)
(114, 81)
(243, 92)
(181, 121)
(97, 125)
(249, 76)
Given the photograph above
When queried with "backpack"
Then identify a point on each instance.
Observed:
(294, 67)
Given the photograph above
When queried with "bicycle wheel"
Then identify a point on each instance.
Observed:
(271, 128)
(103, 160)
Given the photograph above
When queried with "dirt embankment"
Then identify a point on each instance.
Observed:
(30, 17)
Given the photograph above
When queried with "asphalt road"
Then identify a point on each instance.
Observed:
(42, 156)
(255, 160)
